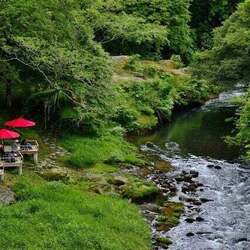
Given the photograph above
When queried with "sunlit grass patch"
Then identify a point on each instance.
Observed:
(86, 151)
(56, 216)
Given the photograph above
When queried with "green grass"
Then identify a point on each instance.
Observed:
(102, 168)
(137, 189)
(88, 151)
(56, 216)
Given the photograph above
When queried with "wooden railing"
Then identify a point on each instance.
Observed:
(31, 146)
(11, 159)
(8, 162)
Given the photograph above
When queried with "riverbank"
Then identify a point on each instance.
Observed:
(211, 183)
(65, 209)
(104, 168)
(108, 170)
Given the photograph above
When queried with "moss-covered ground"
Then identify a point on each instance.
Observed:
(72, 214)
(88, 207)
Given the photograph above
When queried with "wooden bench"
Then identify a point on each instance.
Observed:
(18, 163)
(31, 148)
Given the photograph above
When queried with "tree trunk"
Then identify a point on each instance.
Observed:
(8, 94)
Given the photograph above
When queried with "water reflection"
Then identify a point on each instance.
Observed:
(202, 131)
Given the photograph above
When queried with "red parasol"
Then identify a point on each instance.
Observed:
(20, 123)
(6, 134)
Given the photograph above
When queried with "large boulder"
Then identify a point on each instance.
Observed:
(118, 180)
(6, 195)
(55, 174)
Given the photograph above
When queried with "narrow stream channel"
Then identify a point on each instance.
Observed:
(194, 142)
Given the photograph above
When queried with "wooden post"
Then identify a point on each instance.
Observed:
(2, 174)
(20, 170)
(35, 157)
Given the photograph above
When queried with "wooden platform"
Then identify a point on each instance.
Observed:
(18, 163)
(31, 149)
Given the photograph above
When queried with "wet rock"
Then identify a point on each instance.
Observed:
(190, 234)
(194, 174)
(241, 239)
(149, 216)
(187, 178)
(197, 203)
(210, 166)
(205, 200)
(217, 167)
(6, 195)
(179, 178)
(189, 220)
(194, 201)
(214, 166)
(199, 219)
(150, 207)
(189, 188)
(184, 177)
(150, 145)
(202, 233)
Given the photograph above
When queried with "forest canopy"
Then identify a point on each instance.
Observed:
(57, 52)
(229, 58)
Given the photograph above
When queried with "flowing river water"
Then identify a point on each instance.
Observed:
(194, 142)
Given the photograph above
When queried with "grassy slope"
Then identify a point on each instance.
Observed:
(87, 151)
(50, 215)
(56, 216)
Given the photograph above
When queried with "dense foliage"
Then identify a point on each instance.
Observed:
(60, 61)
(243, 125)
(166, 27)
(151, 93)
(52, 52)
(229, 60)
(55, 57)
(207, 15)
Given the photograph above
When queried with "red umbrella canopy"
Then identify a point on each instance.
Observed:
(20, 123)
(8, 134)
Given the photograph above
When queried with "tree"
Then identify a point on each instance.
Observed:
(229, 59)
(9, 77)
(207, 15)
(51, 45)
(146, 26)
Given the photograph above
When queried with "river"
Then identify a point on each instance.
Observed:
(194, 141)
